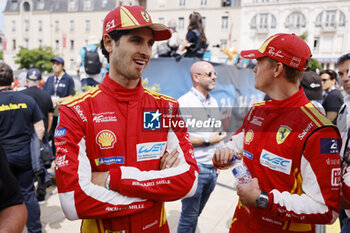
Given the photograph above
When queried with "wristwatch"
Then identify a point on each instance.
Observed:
(108, 180)
(263, 200)
(206, 141)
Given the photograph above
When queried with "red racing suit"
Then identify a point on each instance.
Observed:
(293, 150)
(116, 129)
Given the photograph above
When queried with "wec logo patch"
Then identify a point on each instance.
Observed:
(275, 162)
(149, 151)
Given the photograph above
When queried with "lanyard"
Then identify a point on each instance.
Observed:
(56, 83)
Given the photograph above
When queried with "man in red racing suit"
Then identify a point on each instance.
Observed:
(117, 129)
(289, 147)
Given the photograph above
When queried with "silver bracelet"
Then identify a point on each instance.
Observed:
(108, 180)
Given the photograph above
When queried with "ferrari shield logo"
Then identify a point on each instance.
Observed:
(282, 134)
(145, 16)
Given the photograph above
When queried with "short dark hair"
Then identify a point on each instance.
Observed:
(6, 74)
(116, 35)
(293, 75)
(332, 74)
(343, 58)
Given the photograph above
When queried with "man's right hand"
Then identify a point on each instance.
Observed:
(169, 160)
(217, 137)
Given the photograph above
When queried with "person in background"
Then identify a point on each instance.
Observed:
(312, 84)
(343, 123)
(20, 117)
(169, 48)
(60, 87)
(112, 168)
(196, 41)
(45, 104)
(201, 106)
(332, 97)
(90, 62)
(289, 147)
(13, 212)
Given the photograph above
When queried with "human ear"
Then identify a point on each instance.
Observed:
(108, 43)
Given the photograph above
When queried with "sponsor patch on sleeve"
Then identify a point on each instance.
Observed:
(110, 160)
(60, 132)
(247, 154)
(330, 146)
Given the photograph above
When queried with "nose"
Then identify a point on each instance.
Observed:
(255, 69)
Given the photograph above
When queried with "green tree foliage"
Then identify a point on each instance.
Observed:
(314, 64)
(38, 58)
(1, 55)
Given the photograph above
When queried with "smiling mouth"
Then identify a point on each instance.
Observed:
(140, 62)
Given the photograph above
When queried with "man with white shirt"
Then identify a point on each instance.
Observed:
(343, 123)
(199, 105)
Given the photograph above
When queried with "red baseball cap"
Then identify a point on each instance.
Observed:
(132, 17)
(289, 49)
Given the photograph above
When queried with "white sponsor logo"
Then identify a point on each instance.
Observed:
(60, 143)
(80, 112)
(302, 135)
(275, 162)
(61, 161)
(150, 225)
(250, 55)
(273, 53)
(62, 150)
(149, 151)
(101, 118)
(336, 173)
(295, 62)
(257, 120)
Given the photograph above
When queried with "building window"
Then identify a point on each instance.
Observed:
(57, 45)
(181, 23)
(14, 44)
(253, 23)
(71, 26)
(40, 25)
(263, 21)
(26, 43)
(182, 2)
(26, 25)
(295, 20)
(71, 44)
(318, 20)
(26, 6)
(316, 43)
(40, 43)
(161, 20)
(223, 43)
(41, 4)
(330, 18)
(13, 26)
(224, 22)
(87, 5)
(104, 3)
(226, 3)
(204, 19)
(203, 2)
(341, 19)
(57, 26)
(72, 5)
(87, 25)
(273, 21)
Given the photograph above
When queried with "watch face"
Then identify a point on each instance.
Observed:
(262, 201)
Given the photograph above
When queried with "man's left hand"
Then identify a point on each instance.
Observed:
(248, 193)
(169, 160)
(99, 178)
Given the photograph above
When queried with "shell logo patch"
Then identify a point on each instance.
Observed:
(282, 133)
(249, 137)
(106, 139)
(145, 16)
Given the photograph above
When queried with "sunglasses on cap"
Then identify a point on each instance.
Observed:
(211, 73)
